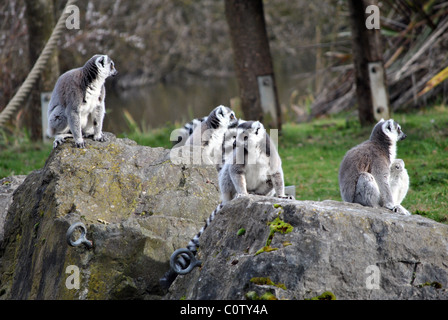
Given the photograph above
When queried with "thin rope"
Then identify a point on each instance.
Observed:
(38, 67)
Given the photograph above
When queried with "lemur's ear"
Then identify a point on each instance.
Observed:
(101, 60)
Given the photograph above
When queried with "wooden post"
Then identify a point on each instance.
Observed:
(41, 21)
(253, 62)
(371, 87)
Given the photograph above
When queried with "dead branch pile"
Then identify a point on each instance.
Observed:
(415, 58)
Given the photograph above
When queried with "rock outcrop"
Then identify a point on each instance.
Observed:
(7, 188)
(138, 208)
(277, 249)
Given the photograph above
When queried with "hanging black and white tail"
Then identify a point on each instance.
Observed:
(193, 245)
(184, 260)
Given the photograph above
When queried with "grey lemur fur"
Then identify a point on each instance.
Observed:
(208, 125)
(211, 131)
(186, 131)
(253, 167)
(210, 134)
(364, 173)
(77, 105)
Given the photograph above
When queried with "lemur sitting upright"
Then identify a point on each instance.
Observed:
(254, 167)
(364, 173)
(77, 106)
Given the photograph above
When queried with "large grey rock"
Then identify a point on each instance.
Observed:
(138, 208)
(342, 248)
(7, 187)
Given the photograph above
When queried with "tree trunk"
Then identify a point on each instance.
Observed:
(253, 62)
(41, 21)
(371, 87)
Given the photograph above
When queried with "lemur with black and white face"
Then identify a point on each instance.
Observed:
(253, 167)
(210, 132)
(364, 173)
(77, 104)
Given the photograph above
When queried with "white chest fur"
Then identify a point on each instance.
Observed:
(92, 100)
(257, 172)
(213, 149)
(217, 137)
(93, 94)
(393, 152)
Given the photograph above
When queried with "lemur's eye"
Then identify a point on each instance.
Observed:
(256, 131)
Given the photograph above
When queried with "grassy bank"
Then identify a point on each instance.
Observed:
(311, 155)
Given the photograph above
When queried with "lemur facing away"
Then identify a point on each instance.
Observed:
(364, 173)
(77, 105)
(254, 167)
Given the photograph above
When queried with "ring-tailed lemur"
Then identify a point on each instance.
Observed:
(254, 167)
(77, 106)
(211, 133)
(186, 131)
(228, 136)
(399, 182)
(364, 172)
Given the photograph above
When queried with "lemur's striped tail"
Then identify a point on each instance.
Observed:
(183, 259)
(194, 243)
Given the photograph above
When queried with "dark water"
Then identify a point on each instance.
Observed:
(156, 105)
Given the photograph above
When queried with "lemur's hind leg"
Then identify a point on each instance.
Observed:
(367, 192)
(58, 126)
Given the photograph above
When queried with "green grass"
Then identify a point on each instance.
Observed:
(311, 154)
(20, 156)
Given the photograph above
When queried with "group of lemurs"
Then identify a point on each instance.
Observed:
(369, 173)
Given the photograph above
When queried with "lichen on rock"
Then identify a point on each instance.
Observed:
(136, 205)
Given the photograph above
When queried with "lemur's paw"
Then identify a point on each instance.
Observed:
(80, 144)
(100, 138)
(401, 210)
(58, 142)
